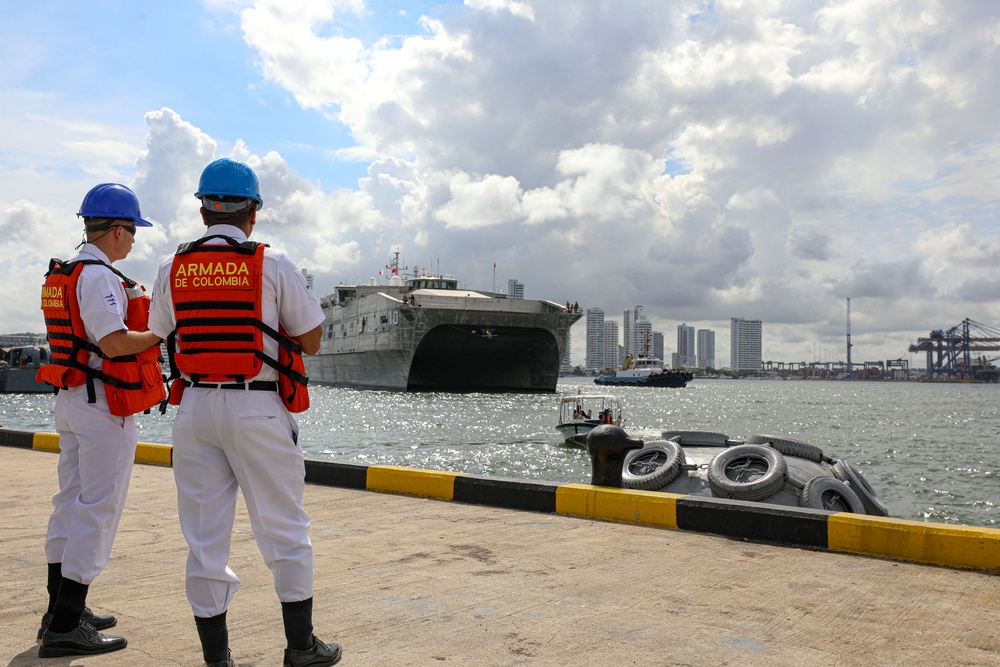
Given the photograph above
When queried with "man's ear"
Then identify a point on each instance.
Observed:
(203, 218)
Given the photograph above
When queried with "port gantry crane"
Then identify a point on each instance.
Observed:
(950, 354)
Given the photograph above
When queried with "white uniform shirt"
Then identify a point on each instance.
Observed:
(102, 298)
(285, 295)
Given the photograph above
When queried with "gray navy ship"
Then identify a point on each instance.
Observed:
(422, 332)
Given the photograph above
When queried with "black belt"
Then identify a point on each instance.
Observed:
(256, 385)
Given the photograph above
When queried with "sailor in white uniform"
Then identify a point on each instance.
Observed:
(231, 436)
(97, 448)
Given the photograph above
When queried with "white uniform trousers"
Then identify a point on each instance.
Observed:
(229, 439)
(95, 466)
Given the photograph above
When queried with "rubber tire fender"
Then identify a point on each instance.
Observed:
(823, 493)
(654, 466)
(789, 447)
(847, 472)
(737, 460)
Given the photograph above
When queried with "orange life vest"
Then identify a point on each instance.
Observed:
(133, 383)
(219, 334)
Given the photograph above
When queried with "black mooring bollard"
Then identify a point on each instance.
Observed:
(607, 445)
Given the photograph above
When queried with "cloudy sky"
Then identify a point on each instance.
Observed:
(707, 159)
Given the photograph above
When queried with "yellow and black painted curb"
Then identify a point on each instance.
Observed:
(898, 539)
(158, 455)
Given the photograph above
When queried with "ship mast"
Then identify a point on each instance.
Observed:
(393, 266)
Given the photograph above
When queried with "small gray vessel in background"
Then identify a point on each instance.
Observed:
(422, 332)
(18, 366)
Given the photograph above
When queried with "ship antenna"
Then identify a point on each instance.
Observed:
(393, 266)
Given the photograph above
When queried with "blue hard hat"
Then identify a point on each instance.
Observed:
(111, 200)
(229, 178)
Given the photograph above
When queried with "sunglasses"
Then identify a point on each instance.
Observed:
(128, 228)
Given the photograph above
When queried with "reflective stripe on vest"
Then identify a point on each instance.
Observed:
(217, 299)
(133, 383)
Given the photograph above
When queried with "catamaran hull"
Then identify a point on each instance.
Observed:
(380, 342)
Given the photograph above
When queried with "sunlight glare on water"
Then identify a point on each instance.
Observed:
(930, 450)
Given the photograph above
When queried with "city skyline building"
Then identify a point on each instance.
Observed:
(696, 347)
(566, 367)
(642, 338)
(628, 326)
(515, 289)
(685, 345)
(611, 347)
(594, 360)
(745, 343)
(658, 345)
(706, 348)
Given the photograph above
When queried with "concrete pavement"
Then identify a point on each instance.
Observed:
(412, 581)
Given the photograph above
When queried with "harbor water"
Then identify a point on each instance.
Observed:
(931, 450)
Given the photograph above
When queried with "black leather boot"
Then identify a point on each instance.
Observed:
(304, 648)
(214, 635)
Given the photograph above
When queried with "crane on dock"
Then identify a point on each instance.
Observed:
(957, 354)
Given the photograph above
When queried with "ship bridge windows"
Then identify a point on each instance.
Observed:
(433, 283)
(345, 294)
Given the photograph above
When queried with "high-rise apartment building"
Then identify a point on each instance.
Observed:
(637, 333)
(638, 337)
(566, 367)
(627, 328)
(642, 338)
(745, 344)
(685, 345)
(611, 345)
(706, 348)
(595, 340)
(515, 290)
(657, 350)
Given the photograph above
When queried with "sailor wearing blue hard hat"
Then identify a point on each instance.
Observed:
(239, 303)
(90, 323)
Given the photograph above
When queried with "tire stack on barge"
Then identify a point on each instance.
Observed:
(762, 468)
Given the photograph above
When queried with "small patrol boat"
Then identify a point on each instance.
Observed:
(579, 413)
(18, 366)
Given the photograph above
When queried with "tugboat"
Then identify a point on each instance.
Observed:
(646, 371)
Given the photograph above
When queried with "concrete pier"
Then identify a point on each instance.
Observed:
(403, 580)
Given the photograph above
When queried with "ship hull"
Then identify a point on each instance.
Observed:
(382, 340)
(21, 381)
(675, 379)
